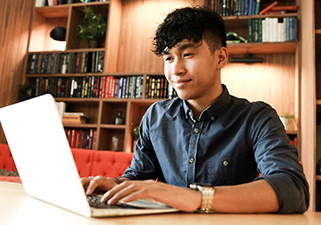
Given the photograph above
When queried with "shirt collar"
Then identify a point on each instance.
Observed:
(218, 106)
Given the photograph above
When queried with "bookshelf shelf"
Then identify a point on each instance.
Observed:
(236, 21)
(53, 12)
(115, 127)
(233, 18)
(262, 48)
(70, 50)
(85, 125)
(79, 100)
(63, 10)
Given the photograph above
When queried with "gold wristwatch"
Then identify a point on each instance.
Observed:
(207, 195)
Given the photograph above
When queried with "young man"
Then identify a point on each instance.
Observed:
(207, 136)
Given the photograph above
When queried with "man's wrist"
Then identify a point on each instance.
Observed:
(207, 192)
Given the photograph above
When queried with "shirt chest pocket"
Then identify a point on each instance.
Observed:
(228, 169)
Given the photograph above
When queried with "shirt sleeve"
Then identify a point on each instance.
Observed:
(278, 160)
(144, 164)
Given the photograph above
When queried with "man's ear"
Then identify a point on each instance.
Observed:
(222, 57)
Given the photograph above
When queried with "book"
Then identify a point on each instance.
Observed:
(268, 7)
(32, 63)
(291, 8)
(74, 118)
(40, 3)
(274, 12)
(257, 7)
(61, 107)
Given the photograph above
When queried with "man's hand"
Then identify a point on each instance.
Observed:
(98, 183)
(125, 190)
(180, 198)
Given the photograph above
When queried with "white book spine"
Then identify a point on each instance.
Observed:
(263, 30)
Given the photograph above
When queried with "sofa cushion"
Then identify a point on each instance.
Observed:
(88, 162)
(6, 160)
(83, 159)
(110, 164)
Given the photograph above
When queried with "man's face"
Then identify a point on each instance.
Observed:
(193, 70)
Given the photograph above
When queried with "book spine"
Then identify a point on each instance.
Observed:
(250, 2)
(274, 29)
(260, 30)
(127, 87)
(112, 89)
(255, 30)
(123, 94)
(291, 28)
(147, 87)
(257, 7)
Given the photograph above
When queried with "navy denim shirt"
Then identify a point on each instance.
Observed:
(231, 143)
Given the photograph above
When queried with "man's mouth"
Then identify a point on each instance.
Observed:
(180, 83)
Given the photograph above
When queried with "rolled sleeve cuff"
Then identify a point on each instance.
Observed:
(293, 195)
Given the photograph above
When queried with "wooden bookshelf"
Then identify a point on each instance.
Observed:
(317, 31)
(294, 64)
(141, 61)
(311, 96)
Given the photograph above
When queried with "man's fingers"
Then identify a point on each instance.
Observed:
(98, 183)
(127, 191)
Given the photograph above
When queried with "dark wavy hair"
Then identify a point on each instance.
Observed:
(194, 24)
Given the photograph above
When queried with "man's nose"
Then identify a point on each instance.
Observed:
(178, 67)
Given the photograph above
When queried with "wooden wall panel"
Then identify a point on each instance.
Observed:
(272, 81)
(308, 96)
(139, 22)
(15, 18)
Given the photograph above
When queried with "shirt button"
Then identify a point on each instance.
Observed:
(196, 130)
(191, 160)
(212, 117)
(225, 163)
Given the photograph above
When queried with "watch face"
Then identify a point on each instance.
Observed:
(193, 186)
(198, 186)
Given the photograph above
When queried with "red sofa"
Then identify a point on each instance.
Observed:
(88, 162)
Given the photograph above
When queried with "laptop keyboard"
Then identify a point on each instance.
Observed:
(94, 201)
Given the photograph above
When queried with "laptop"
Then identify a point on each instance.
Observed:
(43, 158)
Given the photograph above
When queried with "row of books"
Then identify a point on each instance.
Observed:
(121, 87)
(67, 62)
(66, 87)
(81, 138)
(41, 3)
(247, 7)
(234, 7)
(158, 87)
(273, 29)
(102, 87)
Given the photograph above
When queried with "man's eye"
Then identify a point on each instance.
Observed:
(187, 54)
(168, 58)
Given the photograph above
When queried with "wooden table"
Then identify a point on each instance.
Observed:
(18, 208)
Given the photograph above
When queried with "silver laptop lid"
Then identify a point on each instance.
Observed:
(42, 154)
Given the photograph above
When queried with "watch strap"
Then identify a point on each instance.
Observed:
(207, 199)
(207, 192)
